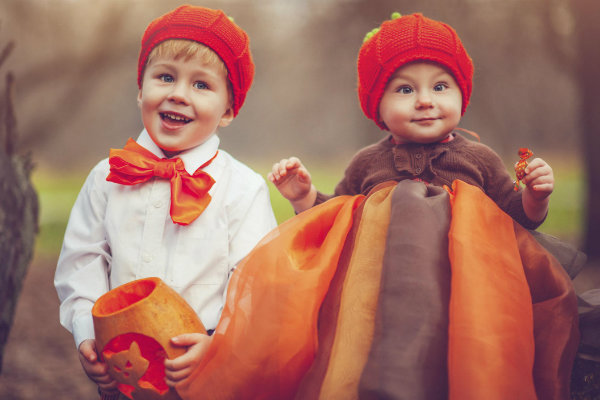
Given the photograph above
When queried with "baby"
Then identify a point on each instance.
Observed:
(415, 81)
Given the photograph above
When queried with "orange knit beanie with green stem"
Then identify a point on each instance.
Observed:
(213, 29)
(402, 40)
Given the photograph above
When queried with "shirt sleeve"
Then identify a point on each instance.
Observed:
(83, 265)
(250, 219)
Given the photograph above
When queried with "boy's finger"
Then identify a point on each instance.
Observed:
(177, 375)
(188, 339)
(87, 349)
(104, 379)
(178, 363)
(108, 387)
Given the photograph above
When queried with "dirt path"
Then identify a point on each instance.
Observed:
(40, 360)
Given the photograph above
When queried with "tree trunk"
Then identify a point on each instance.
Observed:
(18, 212)
(587, 13)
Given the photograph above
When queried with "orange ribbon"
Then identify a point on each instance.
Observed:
(189, 193)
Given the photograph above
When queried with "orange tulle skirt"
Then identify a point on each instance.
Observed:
(410, 291)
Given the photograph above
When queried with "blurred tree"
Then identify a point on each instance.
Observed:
(84, 73)
(18, 210)
(587, 13)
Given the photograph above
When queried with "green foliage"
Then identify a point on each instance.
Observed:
(566, 217)
(57, 193)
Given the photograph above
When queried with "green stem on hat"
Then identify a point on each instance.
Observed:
(370, 34)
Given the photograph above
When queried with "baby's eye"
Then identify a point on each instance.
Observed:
(166, 78)
(200, 85)
(404, 90)
(440, 87)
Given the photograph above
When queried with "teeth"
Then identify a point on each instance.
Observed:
(176, 117)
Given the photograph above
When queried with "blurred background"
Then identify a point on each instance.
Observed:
(74, 63)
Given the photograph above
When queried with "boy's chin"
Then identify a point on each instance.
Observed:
(170, 153)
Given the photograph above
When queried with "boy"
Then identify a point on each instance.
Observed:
(414, 80)
(170, 204)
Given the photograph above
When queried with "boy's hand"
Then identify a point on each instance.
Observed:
(539, 184)
(95, 369)
(181, 367)
(294, 183)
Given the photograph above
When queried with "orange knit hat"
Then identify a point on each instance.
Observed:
(402, 40)
(212, 28)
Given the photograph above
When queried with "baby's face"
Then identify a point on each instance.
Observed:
(183, 102)
(421, 103)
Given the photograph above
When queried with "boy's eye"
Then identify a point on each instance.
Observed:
(166, 78)
(440, 87)
(404, 90)
(200, 85)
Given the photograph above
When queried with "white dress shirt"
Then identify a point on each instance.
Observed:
(118, 233)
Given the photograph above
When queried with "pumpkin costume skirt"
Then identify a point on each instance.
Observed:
(411, 292)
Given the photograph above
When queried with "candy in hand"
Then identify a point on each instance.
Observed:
(524, 154)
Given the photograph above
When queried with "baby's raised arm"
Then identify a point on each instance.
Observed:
(293, 181)
(539, 184)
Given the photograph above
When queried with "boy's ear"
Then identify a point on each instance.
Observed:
(139, 98)
(226, 118)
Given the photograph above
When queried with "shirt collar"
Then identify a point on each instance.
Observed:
(192, 158)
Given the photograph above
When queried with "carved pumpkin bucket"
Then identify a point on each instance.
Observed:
(134, 324)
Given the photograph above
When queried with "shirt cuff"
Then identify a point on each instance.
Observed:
(83, 328)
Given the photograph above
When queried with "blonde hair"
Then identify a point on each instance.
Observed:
(188, 49)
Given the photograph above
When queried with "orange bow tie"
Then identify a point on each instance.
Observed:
(189, 193)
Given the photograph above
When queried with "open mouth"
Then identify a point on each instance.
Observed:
(174, 118)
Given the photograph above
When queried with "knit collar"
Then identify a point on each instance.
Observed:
(192, 158)
(416, 158)
(448, 138)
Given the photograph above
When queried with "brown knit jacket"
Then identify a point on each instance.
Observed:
(437, 163)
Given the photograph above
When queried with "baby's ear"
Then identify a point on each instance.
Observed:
(139, 98)
(226, 118)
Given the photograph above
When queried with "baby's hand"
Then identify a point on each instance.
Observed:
(180, 368)
(95, 369)
(291, 178)
(293, 181)
(539, 179)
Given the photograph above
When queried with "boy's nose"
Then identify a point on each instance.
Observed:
(178, 94)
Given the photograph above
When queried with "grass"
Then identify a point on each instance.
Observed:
(58, 191)
(566, 215)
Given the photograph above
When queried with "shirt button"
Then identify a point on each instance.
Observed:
(418, 156)
(147, 258)
(418, 170)
(158, 204)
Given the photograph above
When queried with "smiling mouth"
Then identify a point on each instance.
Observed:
(174, 117)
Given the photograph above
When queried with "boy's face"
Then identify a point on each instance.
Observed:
(421, 103)
(183, 102)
